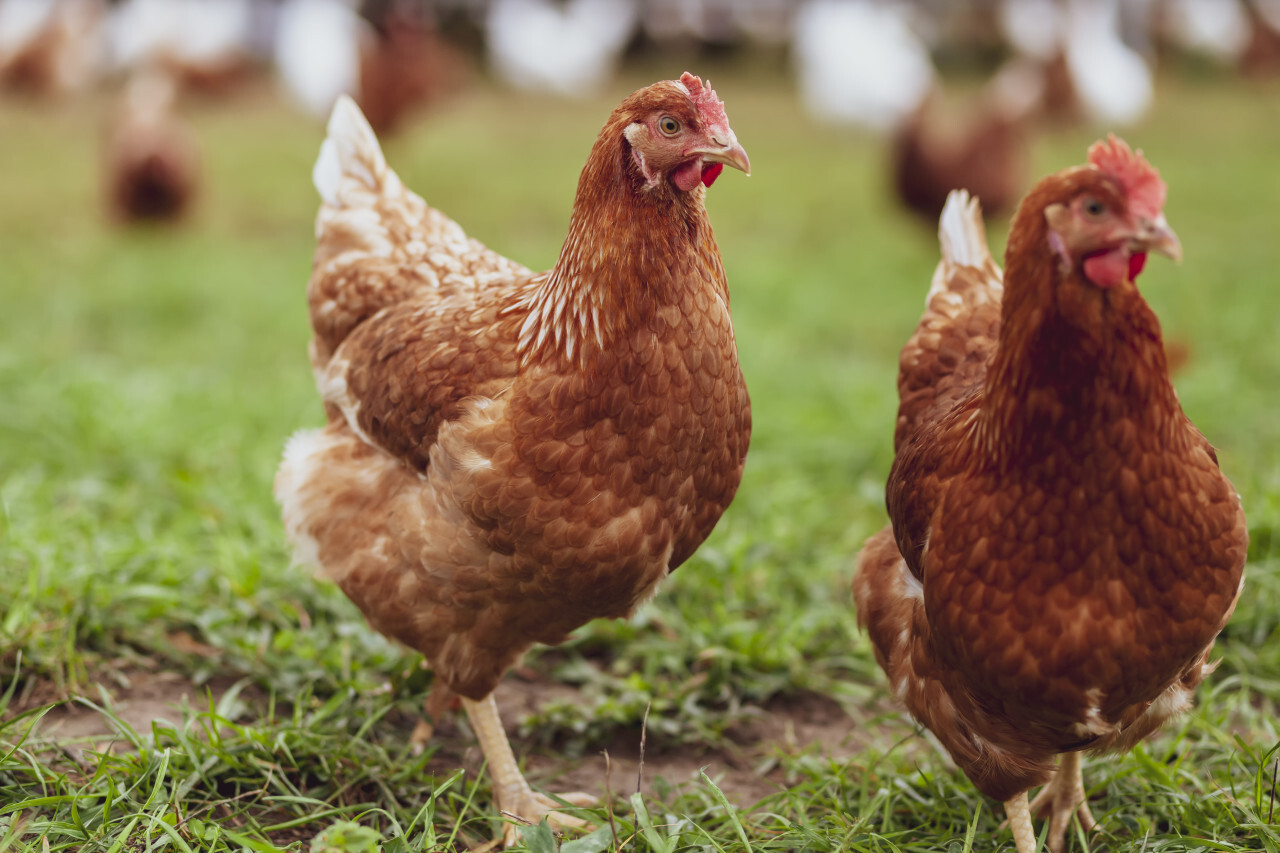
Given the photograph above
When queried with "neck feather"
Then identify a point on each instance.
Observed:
(630, 249)
(1073, 359)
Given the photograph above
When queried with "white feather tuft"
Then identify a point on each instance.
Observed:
(327, 174)
(961, 232)
(351, 152)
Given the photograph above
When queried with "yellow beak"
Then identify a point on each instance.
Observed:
(1156, 236)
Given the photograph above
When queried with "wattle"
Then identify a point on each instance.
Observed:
(710, 172)
(1136, 263)
(687, 175)
(1113, 267)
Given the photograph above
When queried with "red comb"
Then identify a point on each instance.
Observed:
(1139, 179)
(705, 99)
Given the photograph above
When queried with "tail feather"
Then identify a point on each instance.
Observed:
(961, 315)
(961, 232)
(350, 161)
(963, 238)
(378, 243)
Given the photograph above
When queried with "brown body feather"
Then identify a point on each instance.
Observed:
(1063, 547)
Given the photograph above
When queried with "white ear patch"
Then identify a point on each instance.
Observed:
(1058, 218)
(634, 133)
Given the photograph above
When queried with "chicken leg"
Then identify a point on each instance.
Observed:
(1060, 799)
(1063, 797)
(510, 790)
(1019, 820)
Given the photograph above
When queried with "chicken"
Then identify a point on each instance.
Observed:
(567, 47)
(983, 150)
(860, 62)
(1261, 57)
(317, 51)
(152, 160)
(1063, 547)
(1083, 51)
(403, 66)
(1216, 29)
(50, 47)
(206, 47)
(510, 454)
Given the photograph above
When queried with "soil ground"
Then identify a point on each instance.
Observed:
(745, 769)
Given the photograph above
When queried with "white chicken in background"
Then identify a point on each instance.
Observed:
(568, 48)
(1078, 46)
(201, 43)
(860, 63)
(1217, 29)
(764, 21)
(50, 46)
(760, 22)
(1033, 28)
(1112, 81)
(317, 51)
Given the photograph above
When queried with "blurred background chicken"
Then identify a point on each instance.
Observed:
(316, 51)
(388, 56)
(203, 46)
(512, 454)
(1063, 548)
(1261, 56)
(859, 62)
(1218, 30)
(51, 47)
(1082, 47)
(152, 159)
(981, 145)
(404, 66)
(569, 48)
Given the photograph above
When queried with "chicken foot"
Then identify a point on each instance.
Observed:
(1062, 798)
(1059, 800)
(510, 790)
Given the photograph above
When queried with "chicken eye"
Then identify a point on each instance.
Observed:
(1094, 208)
(669, 125)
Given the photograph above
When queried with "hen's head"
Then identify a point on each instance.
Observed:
(676, 132)
(1103, 218)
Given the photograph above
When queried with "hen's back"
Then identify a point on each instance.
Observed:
(946, 358)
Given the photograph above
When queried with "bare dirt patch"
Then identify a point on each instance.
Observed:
(147, 698)
(746, 768)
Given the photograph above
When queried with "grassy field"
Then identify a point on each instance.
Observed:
(148, 379)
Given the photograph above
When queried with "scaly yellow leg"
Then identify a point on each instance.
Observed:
(1024, 835)
(1062, 798)
(510, 790)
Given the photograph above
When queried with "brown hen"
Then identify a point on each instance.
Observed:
(1063, 548)
(510, 454)
(152, 159)
(982, 150)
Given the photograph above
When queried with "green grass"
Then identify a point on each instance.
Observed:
(149, 378)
